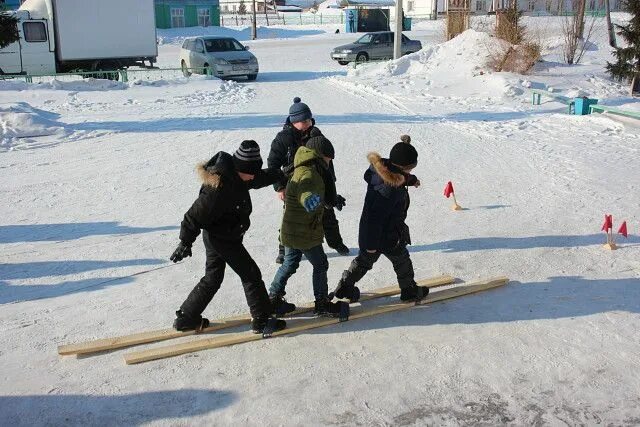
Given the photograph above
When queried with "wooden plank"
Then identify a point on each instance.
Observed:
(299, 325)
(115, 343)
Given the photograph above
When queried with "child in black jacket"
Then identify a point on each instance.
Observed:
(222, 212)
(383, 230)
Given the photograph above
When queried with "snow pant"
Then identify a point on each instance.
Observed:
(292, 257)
(399, 257)
(220, 253)
(331, 230)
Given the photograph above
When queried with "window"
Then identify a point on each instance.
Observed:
(34, 31)
(532, 5)
(481, 5)
(177, 17)
(548, 5)
(222, 45)
(410, 6)
(592, 5)
(204, 17)
(235, 7)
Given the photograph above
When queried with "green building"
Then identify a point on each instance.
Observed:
(187, 13)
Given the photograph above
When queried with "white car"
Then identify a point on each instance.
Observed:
(222, 57)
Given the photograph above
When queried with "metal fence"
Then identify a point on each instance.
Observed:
(281, 19)
(147, 74)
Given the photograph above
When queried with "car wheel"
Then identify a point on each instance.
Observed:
(343, 62)
(362, 57)
(185, 70)
(252, 77)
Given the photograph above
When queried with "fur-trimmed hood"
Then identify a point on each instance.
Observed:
(388, 176)
(210, 172)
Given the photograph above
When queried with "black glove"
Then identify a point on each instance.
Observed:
(340, 202)
(182, 251)
(288, 170)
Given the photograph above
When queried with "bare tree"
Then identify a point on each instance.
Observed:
(573, 31)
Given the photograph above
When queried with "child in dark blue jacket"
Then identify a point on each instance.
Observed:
(383, 230)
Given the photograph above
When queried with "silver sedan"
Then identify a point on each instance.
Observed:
(219, 56)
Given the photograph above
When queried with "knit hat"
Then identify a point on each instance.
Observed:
(322, 146)
(403, 154)
(299, 111)
(247, 158)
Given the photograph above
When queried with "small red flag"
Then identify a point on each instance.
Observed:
(623, 229)
(448, 190)
(608, 223)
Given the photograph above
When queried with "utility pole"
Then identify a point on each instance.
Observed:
(254, 33)
(397, 40)
(612, 33)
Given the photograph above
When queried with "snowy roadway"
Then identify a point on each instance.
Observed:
(90, 214)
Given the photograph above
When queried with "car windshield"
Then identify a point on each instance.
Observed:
(366, 39)
(222, 45)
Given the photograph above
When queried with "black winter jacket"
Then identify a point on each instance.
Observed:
(382, 223)
(284, 147)
(224, 205)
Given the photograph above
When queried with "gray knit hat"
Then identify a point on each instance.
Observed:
(299, 111)
(247, 158)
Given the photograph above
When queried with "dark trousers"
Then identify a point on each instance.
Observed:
(219, 254)
(331, 230)
(399, 257)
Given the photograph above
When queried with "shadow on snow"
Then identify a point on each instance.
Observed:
(124, 409)
(69, 231)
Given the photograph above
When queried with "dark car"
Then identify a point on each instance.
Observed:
(378, 45)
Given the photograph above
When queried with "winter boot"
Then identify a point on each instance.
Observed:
(325, 308)
(259, 324)
(415, 293)
(344, 291)
(186, 323)
(280, 257)
(342, 249)
(280, 305)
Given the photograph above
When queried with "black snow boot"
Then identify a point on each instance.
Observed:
(280, 257)
(259, 324)
(186, 323)
(345, 291)
(415, 293)
(342, 249)
(325, 308)
(280, 305)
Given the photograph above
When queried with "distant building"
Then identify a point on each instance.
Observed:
(532, 7)
(10, 4)
(187, 13)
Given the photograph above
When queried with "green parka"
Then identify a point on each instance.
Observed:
(301, 229)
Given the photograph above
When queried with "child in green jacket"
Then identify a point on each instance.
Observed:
(301, 232)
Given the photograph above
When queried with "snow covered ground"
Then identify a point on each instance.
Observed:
(90, 213)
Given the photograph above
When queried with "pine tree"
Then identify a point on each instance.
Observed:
(242, 9)
(8, 30)
(628, 65)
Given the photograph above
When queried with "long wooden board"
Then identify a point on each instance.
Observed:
(123, 341)
(305, 324)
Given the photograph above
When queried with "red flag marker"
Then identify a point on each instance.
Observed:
(448, 191)
(623, 229)
(608, 223)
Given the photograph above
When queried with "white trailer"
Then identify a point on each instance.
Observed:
(81, 35)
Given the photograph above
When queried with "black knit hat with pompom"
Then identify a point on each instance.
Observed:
(403, 154)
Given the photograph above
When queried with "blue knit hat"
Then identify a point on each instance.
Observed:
(299, 111)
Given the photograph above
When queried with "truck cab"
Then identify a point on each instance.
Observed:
(34, 52)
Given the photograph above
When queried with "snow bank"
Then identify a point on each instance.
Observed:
(458, 67)
(21, 120)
